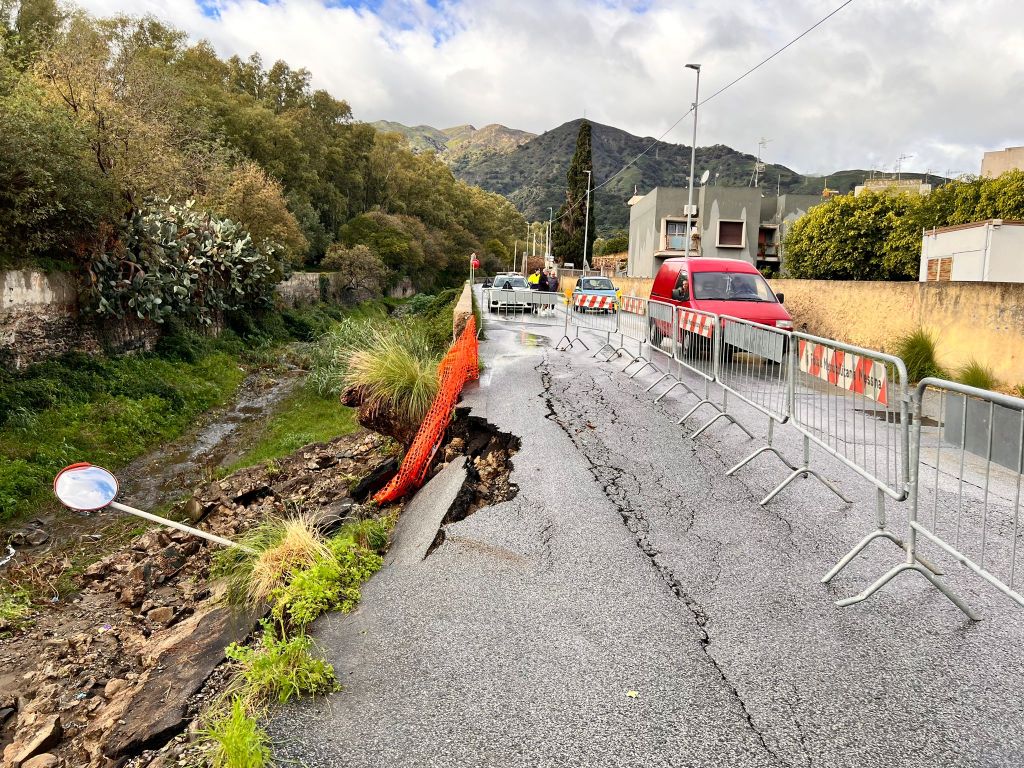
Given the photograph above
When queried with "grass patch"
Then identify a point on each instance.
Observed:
(15, 607)
(237, 740)
(279, 670)
(107, 411)
(974, 374)
(917, 350)
(303, 417)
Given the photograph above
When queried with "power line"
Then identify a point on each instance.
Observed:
(720, 91)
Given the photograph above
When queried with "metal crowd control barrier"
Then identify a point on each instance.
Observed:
(966, 489)
(593, 313)
(661, 325)
(631, 325)
(697, 346)
(853, 403)
(523, 305)
(754, 366)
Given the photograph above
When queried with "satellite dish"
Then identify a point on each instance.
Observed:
(704, 177)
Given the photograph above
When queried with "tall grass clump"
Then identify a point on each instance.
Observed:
(917, 350)
(974, 374)
(236, 739)
(397, 373)
(274, 552)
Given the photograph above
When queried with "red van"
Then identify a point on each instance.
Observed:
(723, 286)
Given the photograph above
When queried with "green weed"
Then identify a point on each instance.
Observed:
(974, 374)
(237, 739)
(279, 670)
(917, 350)
(332, 582)
(15, 607)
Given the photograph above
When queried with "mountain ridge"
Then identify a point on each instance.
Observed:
(529, 169)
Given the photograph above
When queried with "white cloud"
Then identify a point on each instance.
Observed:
(940, 81)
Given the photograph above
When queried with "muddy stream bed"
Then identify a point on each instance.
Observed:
(168, 473)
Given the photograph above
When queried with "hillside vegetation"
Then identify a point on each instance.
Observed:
(105, 122)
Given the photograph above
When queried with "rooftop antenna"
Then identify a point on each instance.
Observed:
(899, 165)
(762, 143)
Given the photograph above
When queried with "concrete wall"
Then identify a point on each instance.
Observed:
(983, 321)
(40, 318)
(463, 310)
(1003, 160)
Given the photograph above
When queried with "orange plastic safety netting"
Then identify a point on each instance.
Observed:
(459, 365)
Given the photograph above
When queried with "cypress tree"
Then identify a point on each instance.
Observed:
(567, 237)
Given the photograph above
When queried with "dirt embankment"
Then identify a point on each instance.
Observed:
(116, 674)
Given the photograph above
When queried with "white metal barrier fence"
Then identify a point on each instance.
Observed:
(957, 454)
(755, 367)
(523, 305)
(965, 488)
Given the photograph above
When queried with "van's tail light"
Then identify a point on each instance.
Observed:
(786, 325)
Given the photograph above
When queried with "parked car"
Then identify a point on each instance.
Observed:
(514, 299)
(723, 286)
(595, 286)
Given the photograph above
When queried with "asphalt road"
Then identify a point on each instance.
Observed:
(633, 606)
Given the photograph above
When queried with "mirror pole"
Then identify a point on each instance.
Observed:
(179, 526)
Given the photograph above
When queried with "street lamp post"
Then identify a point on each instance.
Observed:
(547, 236)
(693, 161)
(586, 225)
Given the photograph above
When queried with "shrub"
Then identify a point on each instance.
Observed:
(237, 739)
(15, 607)
(974, 374)
(279, 670)
(917, 350)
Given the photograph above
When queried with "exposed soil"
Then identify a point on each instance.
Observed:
(111, 676)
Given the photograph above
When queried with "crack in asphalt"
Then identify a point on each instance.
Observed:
(610, 479)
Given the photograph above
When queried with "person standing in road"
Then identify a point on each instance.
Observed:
(542, 287)
(552, 288)
(534, 279)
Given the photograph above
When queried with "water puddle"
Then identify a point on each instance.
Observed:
(8, 557)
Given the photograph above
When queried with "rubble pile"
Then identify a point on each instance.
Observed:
(111, 676)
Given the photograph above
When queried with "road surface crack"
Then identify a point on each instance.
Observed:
(610, 478)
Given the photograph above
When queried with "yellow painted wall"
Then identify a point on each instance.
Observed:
(981, 321)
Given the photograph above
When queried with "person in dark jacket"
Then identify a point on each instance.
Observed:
(543, 287)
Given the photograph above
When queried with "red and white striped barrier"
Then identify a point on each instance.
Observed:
(593, 302)
(691, 322)
(633, 305)
(860, 375)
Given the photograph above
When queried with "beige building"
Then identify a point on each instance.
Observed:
(999, 162)
(984, 251)
(897, 186)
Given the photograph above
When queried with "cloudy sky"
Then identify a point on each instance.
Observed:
(941, 80)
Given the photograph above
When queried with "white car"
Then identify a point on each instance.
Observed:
(510, 292)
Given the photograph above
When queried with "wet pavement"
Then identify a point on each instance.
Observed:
(635, 606)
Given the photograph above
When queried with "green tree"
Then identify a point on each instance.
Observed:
(568, 236)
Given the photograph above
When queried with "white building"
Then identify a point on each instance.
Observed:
(984, 251)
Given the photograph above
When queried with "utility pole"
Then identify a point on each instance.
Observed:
(693, 160)
(586, 224)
